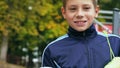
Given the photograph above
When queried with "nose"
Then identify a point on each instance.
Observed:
(79, 14)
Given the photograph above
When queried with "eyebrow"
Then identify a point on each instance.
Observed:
(82, 5)
(86, 5)
(72, 6)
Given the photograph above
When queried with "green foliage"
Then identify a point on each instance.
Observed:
(30, 24)
(109, 4)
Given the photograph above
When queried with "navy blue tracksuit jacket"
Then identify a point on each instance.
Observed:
(88, 49)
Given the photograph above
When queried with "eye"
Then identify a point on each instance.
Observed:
(87, 8)
(72, 9)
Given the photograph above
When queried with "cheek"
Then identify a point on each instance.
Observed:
(91, 16)
(69, 15)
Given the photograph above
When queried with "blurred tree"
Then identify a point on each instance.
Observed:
(110, 4)
(3, 26)
(29, 24)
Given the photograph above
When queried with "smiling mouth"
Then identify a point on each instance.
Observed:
(80, 23)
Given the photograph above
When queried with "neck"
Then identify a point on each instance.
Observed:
(89, 33)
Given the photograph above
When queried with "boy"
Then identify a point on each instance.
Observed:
(82, 46)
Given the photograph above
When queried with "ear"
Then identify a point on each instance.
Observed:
(97, 11)
(63, 12)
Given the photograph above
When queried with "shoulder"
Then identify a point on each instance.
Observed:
(57, 40)
(51, 46)
(109, 35)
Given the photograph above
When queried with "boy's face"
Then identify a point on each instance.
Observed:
(80, 13)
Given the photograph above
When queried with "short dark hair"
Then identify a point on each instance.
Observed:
(95, 2)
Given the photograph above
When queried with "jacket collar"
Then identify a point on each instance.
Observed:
(89, 33)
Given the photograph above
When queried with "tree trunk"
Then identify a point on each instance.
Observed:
(4, 47)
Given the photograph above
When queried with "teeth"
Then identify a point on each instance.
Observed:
(80, 21)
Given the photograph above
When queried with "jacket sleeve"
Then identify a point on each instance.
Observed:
(47, 60)
(117, 42)
(119, 48)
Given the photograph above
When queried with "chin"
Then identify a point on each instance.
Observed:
(80, 30)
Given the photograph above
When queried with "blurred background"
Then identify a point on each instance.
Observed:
(27, 26)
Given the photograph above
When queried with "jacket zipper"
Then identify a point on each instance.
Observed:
(87, 48)
(89, 66)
